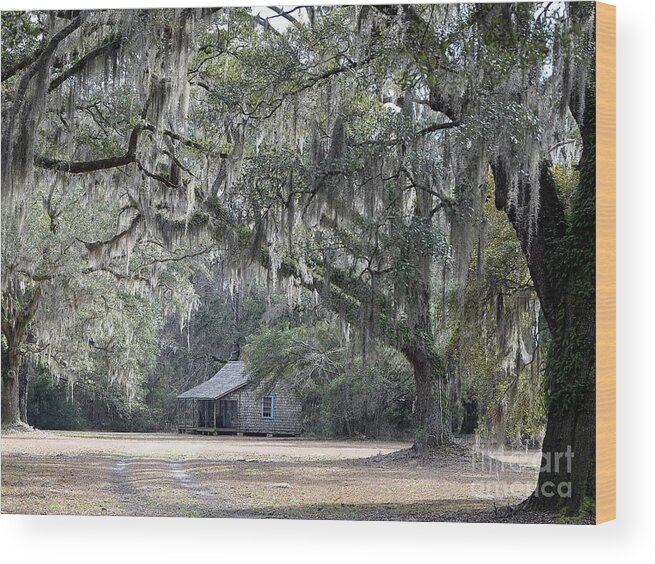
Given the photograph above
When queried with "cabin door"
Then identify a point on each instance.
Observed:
(227, 410)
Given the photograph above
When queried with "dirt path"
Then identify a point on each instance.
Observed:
(171, 475)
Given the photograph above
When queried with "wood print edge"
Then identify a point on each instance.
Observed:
(605, 262)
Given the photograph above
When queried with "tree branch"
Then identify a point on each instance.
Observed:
(10, 70)
(96, 245)
(111, 45)
(438, 126)
(45, 55)
(78, 167)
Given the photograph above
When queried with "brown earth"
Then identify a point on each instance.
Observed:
(86, 473)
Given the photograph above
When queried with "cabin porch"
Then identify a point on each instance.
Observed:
(207, 416)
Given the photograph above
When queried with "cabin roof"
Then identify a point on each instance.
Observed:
(227, 379)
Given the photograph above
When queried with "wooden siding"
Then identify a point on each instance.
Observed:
(287, 411)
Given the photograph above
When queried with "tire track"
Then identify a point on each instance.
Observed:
(212, 501)
(126, 486)
(154, 487)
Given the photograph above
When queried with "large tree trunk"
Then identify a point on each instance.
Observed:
(10, 386)
(23, 389)
(14, 327)
(571, 366)
(561, 259)
(568, 472)
(431, 432)
(432, 428)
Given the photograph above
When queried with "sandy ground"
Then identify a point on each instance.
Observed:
(194, 476)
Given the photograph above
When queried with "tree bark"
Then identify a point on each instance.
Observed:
(10, 386)
(568, 472)
(571, 364)
(15, 321)
(431, 433)
(23, 389)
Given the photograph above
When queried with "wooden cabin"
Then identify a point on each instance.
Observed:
(229, 403)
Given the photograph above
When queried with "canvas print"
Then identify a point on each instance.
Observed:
(301, 262)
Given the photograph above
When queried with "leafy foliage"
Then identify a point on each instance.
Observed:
(343, 391)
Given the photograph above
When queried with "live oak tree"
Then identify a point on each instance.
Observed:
(343, 201)
(345, 152)
(82, 319)
(76, 257)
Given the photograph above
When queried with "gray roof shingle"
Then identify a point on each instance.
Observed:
(230, 377)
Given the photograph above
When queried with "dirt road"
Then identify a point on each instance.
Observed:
(193, 476)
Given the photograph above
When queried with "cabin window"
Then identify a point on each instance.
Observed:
(268, 408)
